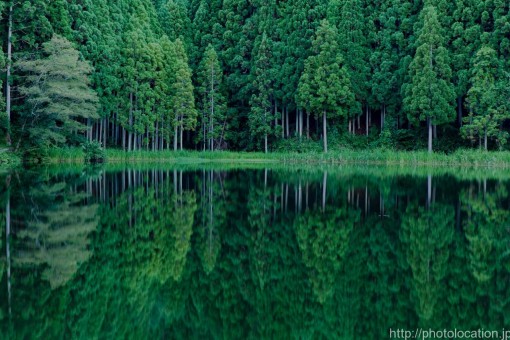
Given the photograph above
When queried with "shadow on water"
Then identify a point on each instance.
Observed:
(223, 252)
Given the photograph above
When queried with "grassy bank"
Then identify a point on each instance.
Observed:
(461, 158)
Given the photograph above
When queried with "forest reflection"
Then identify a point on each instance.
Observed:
(211, 253)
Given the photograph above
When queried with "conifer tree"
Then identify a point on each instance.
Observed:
(213, 103)
(183, 100)
(58, 94)
(484, 99)
(260, 116)
(347, 15)
(325, 88)
(429, 96)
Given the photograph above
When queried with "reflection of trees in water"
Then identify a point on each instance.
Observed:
(57, 235)
(261, 254)
(428, 233)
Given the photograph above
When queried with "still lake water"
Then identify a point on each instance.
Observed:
(211, 253)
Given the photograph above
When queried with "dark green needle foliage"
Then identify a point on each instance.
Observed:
(430, 95)
(399, 72)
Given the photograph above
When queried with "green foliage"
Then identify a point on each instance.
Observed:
(58, 95)
(213, 104)
(94, 152)
(429, 96)
(388, 62)
(487, 112)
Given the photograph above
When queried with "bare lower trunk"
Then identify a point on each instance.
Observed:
(430, 135)
(8, 77)
(366, 120)
(181, 131)
(325, 131)
(175, 137)
(265, 143)
(459, 111)
(485, 138)
(287, 121)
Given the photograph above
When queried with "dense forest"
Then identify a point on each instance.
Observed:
(255, 75)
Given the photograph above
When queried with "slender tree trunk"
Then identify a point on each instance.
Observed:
(430, 135)
(287, 125)
(434, 127)
(275, 116)
(181, 131)
(265, 143)
(175, 136)
(383, 117)
(366, 120)
(325, 131)
(283, 122)
(308, 125)
(459, 111)
(485, 138)
(8, 76)
(130, 133)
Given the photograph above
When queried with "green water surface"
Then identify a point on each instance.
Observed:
(262, 253)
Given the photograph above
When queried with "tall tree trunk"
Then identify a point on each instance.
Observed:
(366, 120)
(383, 116)
(308, 125)
(8, 76)
(181, 131)
(434, 129)
(485, 138)
(175, 136)
(130, 133)
(283, 122)
(430, 134)
(459, 111)
(287, 121)
(265, 143)
(325, 131)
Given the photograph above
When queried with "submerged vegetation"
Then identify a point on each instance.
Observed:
(254, 75)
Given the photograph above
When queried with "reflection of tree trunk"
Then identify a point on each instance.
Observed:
(306, 197)
(211, 217)
(300, 193)
(286, 196)
(457, 214)
(429, 190)
(324, 190)
(7, 247)
(366, 200)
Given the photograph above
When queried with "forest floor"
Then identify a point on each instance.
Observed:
(460, 158)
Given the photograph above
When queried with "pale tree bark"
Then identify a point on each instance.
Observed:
(325, 131)
(430, 135)
(8, 76)
(324, 190)
(366, 120)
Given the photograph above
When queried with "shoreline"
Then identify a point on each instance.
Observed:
(376, 157)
